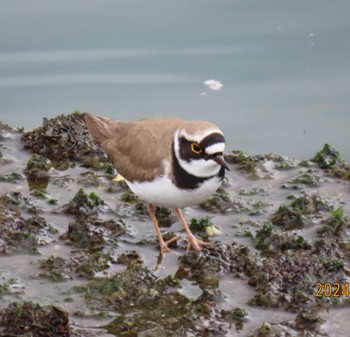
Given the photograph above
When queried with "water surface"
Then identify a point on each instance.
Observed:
(284, 66)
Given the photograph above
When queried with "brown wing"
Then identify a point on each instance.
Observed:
(136, 149)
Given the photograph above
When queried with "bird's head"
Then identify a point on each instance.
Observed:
(199, 148)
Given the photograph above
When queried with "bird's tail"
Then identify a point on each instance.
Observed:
(101, 128)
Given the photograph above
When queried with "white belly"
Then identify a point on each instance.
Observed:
(162, 192)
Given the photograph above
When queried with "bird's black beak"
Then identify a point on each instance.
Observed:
(219, 158)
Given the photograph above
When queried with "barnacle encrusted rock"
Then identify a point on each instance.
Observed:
(63, 138)
(30, 319)
(20, 233)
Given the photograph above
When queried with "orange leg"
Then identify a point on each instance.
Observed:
(163, 244)
(192, 240)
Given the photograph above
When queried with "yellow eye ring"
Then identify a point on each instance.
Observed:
(196, 148)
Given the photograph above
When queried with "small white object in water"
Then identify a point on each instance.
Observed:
(213, 84)
(203, 93)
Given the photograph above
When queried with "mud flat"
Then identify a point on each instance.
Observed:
(79, 255)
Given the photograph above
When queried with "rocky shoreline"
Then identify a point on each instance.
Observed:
(79, 256)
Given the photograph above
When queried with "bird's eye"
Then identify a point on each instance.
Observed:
(196, 148)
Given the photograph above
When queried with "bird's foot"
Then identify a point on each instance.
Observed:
(196, 244)
(164, 245)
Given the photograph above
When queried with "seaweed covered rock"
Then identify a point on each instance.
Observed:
(150, 306)
(136, 285)
(30, 319)
(206, 267)
(269, 240)
(222, 202)
(82, 264)
(330, 160)
(327, 157)
(307, 324)
(85, 205)
(294, 215)
(64, 138)
(17, 233)
(336, 225)
(93, 234)
(260, 166)
(204, 227)
(289, 280)
(37, 172)
(83, 235)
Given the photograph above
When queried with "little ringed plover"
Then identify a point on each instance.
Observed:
(168, 162)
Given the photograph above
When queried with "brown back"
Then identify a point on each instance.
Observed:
(136, 149)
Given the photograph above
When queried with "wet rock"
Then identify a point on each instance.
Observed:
(269, 240)
(81, 264)
(288, 280)
(93, 234)
(129, 258)
(135, 286)
(337, 225)
(65, 138)
(206, 267)
(285, 329)
(37, 172)
(17, 201)
(83, 235)
(89, 179)
(204, 227)
(294, 215)
(308, 178)
(237, 314)
(148, 305)
(38, 165)
(170, 315)
(222, 202)
(19, 234)
(260, 166)
(327, 157)
(114, 228)
(307, 324)
(89, 265)
(85, 205)
(13, 177)
(341, 171)
(253, 191)
(30, 319)
(308, 319)
(53, 269)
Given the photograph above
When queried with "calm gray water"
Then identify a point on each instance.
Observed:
(284, 66)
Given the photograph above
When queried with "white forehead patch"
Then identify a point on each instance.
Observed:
(198, 137)
(215, 148)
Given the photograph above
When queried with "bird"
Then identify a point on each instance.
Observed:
(166, 161)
